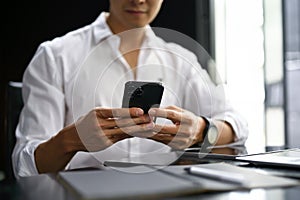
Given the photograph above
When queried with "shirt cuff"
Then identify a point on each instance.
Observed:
(26, 164)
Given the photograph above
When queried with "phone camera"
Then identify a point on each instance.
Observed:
(138, 92)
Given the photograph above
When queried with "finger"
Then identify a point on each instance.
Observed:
(169, 114)
(133, 121)
(181, 130)
(174, 108)
(111, 139)
(118, 112)
(112, 123)
(130, 129)
(166, 129)
(184, 130)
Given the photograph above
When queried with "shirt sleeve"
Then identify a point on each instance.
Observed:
(43, 113)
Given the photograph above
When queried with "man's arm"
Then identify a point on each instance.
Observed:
(226, 133)
(54, 154)
(96, 131)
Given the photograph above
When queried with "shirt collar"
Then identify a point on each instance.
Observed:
(103, 31)
(101, 28)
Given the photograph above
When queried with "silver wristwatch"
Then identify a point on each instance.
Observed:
(210, 134)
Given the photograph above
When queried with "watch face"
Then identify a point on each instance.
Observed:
(212, 135)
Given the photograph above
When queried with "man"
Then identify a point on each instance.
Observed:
(73, 86)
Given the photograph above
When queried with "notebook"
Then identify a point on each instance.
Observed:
(117, 184)
(282, 158)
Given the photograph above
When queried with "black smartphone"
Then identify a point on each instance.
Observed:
(144, 95)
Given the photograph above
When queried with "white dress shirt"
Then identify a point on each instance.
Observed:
(71, 75)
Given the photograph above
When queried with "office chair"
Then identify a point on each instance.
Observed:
(14, 105)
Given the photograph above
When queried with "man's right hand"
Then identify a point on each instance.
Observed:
(95, 131)
(102, 127)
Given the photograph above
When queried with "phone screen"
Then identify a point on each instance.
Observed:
(144, 95)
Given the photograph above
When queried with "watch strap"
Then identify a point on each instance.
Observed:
(204, 133)
(205, 142)
(207, 125)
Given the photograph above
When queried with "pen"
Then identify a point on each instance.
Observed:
(216, 174)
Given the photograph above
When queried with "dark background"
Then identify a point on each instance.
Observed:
(25, 24)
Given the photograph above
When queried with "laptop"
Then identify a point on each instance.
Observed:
(282, 158)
